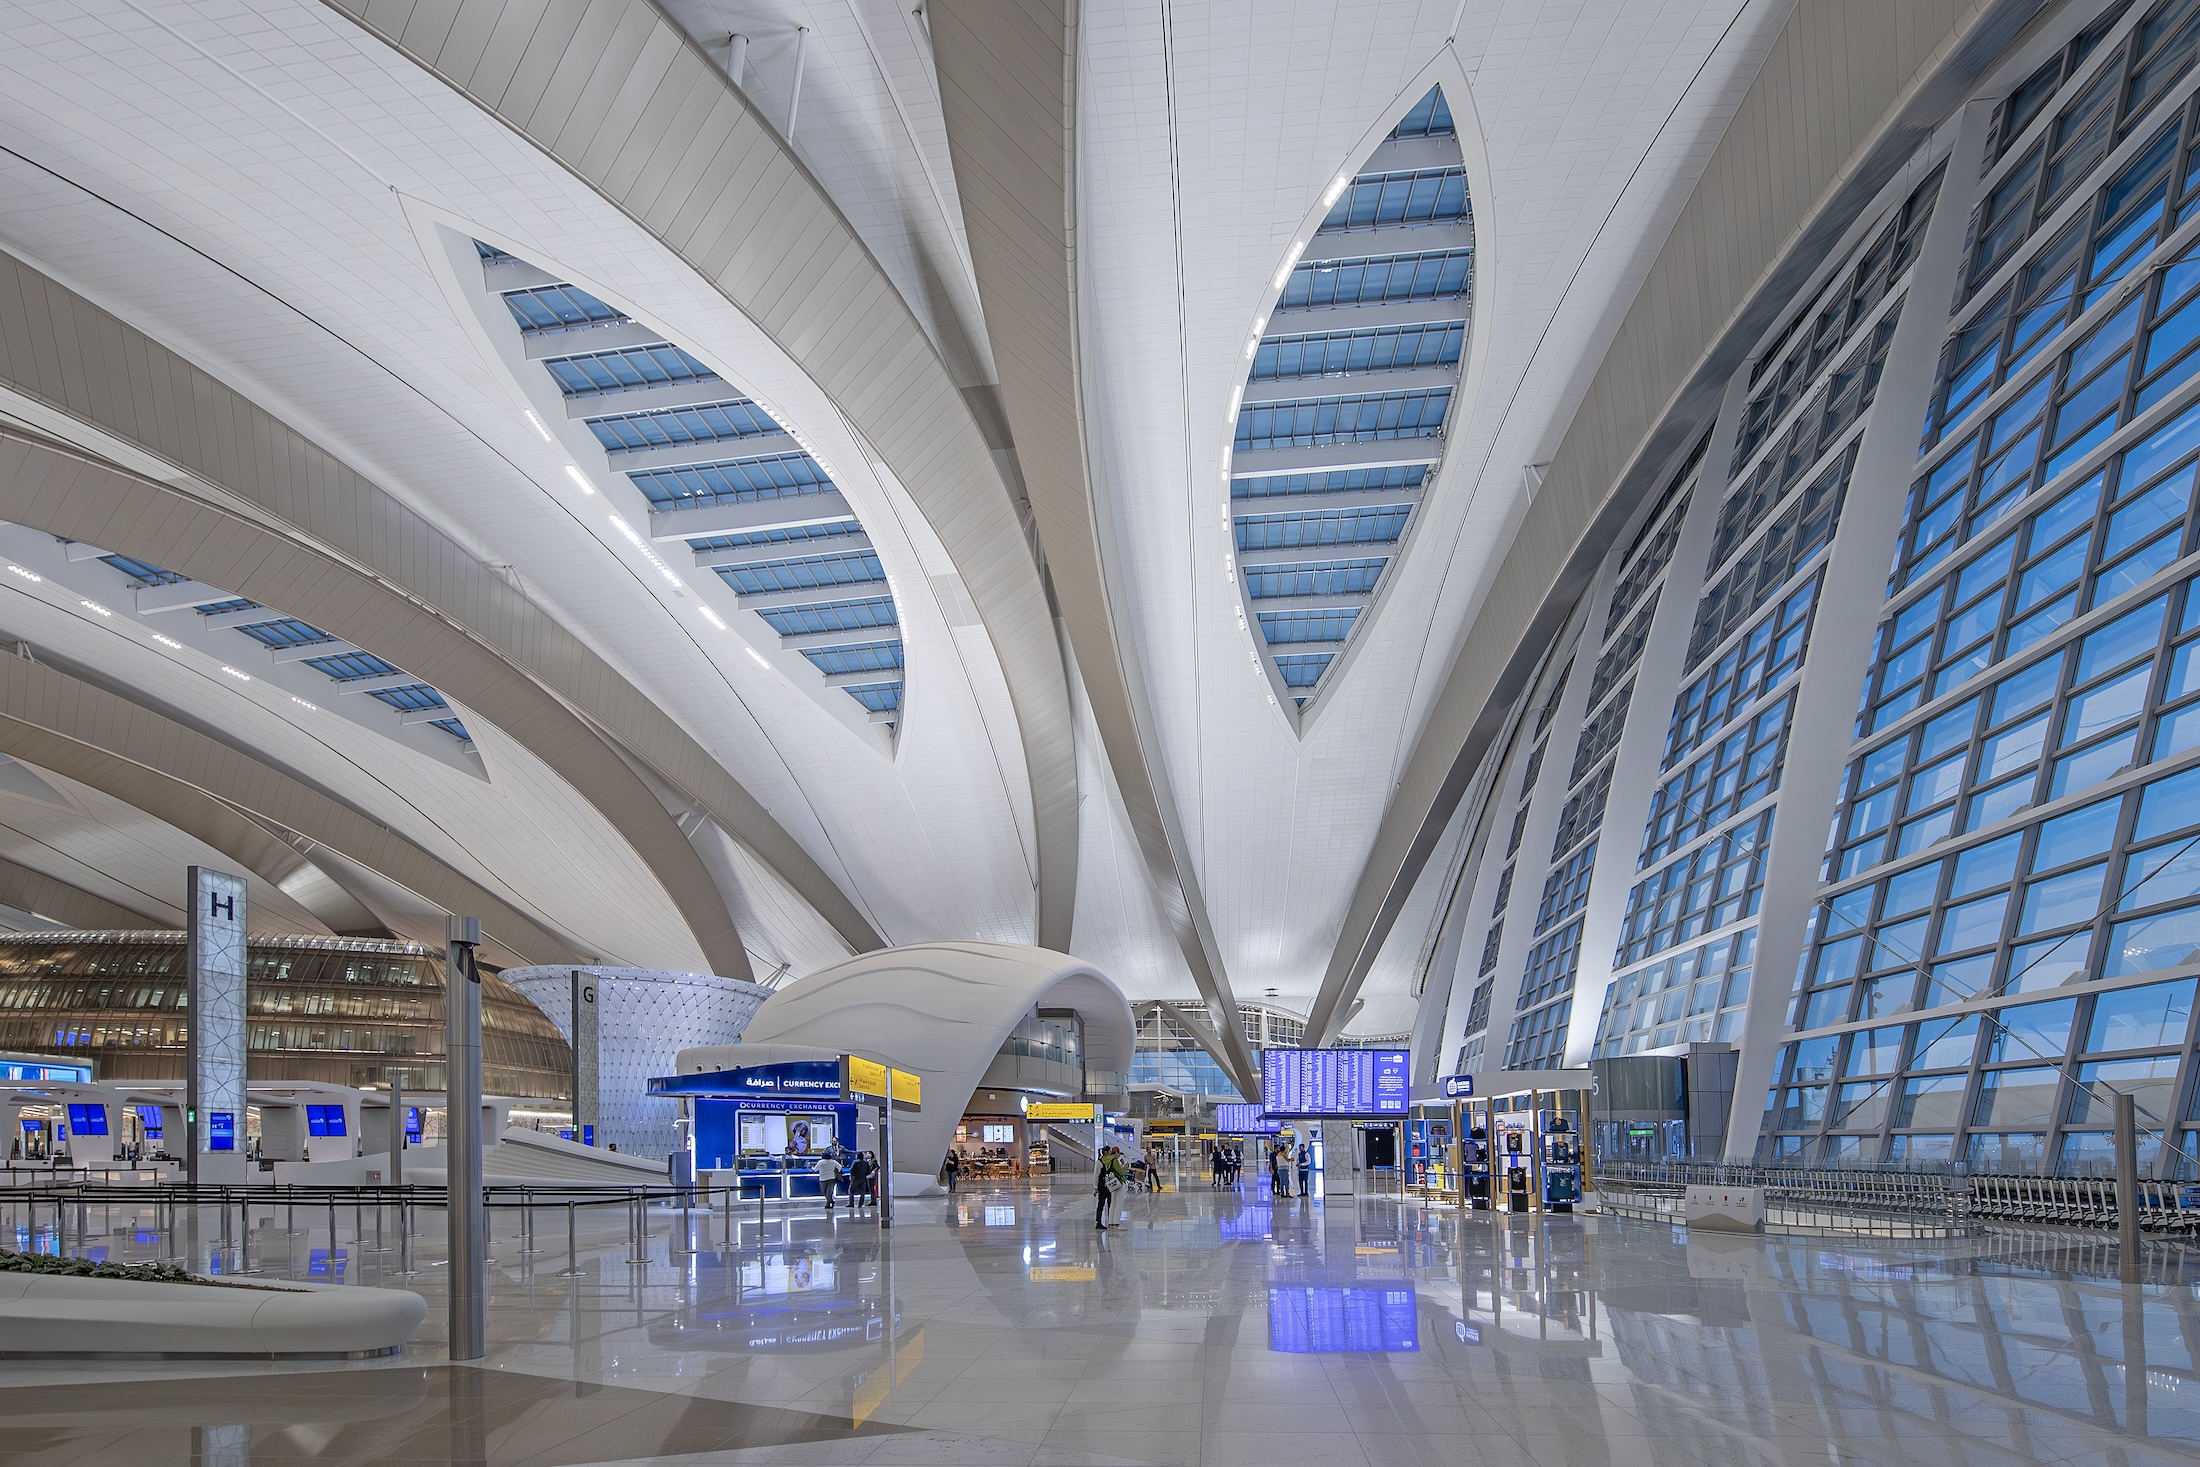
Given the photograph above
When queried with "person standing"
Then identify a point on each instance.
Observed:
(1114, 1176)
(828, 1177)
(1306, 1169)
(951, 1170)
(1279, 1175)
(861, 1174)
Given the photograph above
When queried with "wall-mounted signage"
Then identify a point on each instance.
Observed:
(1334, 1082)
(221, 1131)
(1457, 1087)
(324, 1120)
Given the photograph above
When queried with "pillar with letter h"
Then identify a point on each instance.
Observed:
(215, 1075)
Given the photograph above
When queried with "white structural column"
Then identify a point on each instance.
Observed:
(1842, 638)
(1006, 85)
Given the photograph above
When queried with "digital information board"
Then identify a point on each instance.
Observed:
(1368, 1083)
(1237, 1119)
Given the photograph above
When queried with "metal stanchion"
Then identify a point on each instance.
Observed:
(2127, 1186)
(572, 1254)
(466, 1208)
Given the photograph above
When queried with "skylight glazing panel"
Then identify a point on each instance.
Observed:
(285, 631)
(416, 698)
(1381, 525)
(626, 369)
(886, 698)
(144, 572)
(1430, 117)
(801, 537)
(1281, 628)
(1429, 275)
(831, 616)
(738, 481)
(1405, 196)
(557, 308)
(713, 422)
(351, 667)
(454, 728)
(1331, 353)
(795, 575)
(1360, 418)
(1304, 669)
(1316, 578)
(220, 608)
(1336, 481)
(873, 657)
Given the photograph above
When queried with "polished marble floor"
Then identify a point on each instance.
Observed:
(999, 1326)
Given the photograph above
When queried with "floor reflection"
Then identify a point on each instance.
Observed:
(1209, 1326)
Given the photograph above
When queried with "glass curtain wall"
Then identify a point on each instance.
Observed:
(1969, 919)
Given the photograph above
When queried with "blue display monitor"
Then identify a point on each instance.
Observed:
(1350, 1319)
(149, 1118)
(412, 1123)
(324, 1120)
(1233, 1118)
(221, 1131)
(87, 1120)
(1372, 1084)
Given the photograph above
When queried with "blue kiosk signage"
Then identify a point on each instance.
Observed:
(771, 1123)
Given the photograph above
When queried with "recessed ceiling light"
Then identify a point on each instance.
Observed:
(302, 703)
(536, 423)
(713, 617)
(760, 660)
(94, 607)
(573, 472)
(26, 575)
(168, 641)
(242, 677)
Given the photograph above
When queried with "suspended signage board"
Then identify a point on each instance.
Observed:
(864, 1079)
(1457, 1087)
(1369, 1083)
(1064, 1110)
(1235, 1119)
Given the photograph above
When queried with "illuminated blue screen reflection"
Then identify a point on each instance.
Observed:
(1333, 1319)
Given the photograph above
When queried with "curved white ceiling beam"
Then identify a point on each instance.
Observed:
(1845, 97)
(72, 496)
(494, 648)
(41, 895)
(1007, 81)
(621, 98)
(222, 796)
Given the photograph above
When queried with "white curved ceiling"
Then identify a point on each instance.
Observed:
(1209, 136)
(264, 191)
(256, 191)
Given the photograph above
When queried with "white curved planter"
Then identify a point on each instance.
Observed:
(46, 1314)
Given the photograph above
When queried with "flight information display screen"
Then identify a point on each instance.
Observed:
(1335, 1082)
(1237, 1119)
